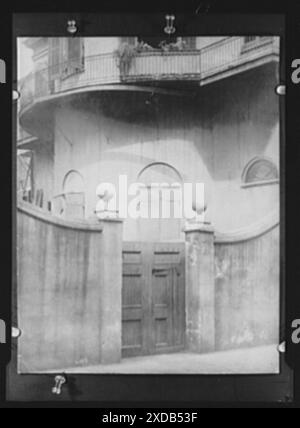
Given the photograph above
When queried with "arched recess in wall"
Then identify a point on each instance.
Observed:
(165, 199)
(73, 194)
(260, 171)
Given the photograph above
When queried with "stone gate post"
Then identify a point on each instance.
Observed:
(200, 288)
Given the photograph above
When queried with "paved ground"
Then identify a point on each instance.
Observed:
(259, 360)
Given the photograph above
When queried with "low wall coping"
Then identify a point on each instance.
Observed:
(42, 215)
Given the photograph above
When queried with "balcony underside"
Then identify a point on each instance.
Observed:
(112, 100)
(145, 101)
(151, 71)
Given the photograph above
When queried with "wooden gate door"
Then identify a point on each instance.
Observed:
(153, 298)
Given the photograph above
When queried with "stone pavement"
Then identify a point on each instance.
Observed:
(264, 359)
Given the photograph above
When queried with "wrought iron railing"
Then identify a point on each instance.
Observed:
(160, 65)
(199, 65)
(232, 52)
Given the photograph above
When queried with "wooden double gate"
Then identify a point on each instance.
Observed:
(153, 298)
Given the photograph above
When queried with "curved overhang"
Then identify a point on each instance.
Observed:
(174, 73)
(107, 88)
(36, 117)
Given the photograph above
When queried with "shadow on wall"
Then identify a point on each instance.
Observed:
(229, 122)
(239, 117)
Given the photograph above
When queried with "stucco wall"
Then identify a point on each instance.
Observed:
(209, 139)
(247, 292)
(69, 293)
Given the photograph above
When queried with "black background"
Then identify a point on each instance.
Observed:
(162, 391)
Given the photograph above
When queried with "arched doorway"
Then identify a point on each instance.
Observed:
(153, 290)
(164, 192)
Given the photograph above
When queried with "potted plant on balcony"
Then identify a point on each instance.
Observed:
(125, 54)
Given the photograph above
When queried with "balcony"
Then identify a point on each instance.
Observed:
(229, 56)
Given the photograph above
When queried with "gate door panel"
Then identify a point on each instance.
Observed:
(132, 301)
(153, 298)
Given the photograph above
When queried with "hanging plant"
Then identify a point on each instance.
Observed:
(125, 54)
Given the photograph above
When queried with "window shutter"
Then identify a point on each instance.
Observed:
(75, 56)
(54, 57)
(66, 56)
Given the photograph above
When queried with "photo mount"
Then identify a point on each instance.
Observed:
(202, 388)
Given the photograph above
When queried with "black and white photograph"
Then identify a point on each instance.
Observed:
(148, 204)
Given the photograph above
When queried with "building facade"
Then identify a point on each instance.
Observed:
(193, 110)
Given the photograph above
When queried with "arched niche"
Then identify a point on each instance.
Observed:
(260, 171)
(73, 182)
(161, 172)
(71, 202)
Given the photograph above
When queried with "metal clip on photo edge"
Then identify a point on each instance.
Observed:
(169, 28)
(281, 348)
(71, 27)
(59, 380)
(280, 89)
(15, 95)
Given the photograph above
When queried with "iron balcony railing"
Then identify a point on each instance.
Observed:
(201, 66)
